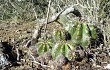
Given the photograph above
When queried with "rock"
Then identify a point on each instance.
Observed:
(60, 63)
(107, 67)
(3, 60)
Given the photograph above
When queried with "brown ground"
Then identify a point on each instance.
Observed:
(12, 32)
(20, 33)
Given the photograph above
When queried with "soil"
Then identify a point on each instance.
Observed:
(15, 35)
(12, 32)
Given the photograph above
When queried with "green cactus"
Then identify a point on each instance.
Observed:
(62, 48)
(43, 47)
(80, 31)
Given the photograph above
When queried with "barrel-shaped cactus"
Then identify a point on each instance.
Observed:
(77, 31)
(80, 31)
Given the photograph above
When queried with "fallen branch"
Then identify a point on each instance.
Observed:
(64, 12)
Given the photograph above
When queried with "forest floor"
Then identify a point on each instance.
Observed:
(17, 34)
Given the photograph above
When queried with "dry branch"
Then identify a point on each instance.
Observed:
(64, 12)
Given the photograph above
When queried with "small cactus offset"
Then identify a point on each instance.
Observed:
(62, 48)
(43, 47)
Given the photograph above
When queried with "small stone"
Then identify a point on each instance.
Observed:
(107, 67)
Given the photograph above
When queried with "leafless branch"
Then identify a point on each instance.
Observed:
(63, 12)
(48, 11)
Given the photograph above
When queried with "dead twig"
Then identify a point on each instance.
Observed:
(34, 60)
(45, 66)
(48, 11)
(17, 51)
